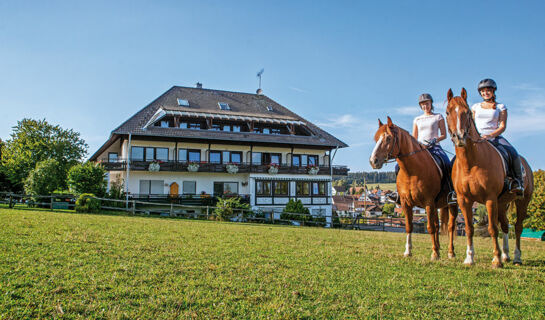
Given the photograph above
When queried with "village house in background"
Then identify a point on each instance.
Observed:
(195, 143)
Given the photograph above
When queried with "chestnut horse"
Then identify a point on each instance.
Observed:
(418, 182)
(478, 176)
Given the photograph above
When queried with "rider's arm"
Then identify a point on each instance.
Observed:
(502, 123)
(442, 130)
(415, 131)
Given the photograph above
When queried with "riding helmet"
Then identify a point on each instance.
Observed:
(487, 83)
(425, 97)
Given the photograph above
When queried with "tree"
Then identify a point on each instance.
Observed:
(536, 208)
(295, 210)
(33, 141)
(45, 178)
(388, 209)
(87, 178)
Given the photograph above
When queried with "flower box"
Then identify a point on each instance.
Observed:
(231, 168)
(313, 170)
(193, 167)
(154, 166)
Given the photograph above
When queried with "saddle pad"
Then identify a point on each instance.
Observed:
(502, 157)
(438, 163)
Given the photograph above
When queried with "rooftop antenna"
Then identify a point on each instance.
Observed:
(259, 74)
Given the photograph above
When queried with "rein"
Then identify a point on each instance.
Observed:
(391, 158)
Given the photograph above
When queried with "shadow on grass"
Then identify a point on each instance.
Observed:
(534, 263)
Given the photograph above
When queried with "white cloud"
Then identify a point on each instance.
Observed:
(298, 90)
(527, 87)
(408, 110)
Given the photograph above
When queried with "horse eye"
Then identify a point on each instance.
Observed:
(447, 113)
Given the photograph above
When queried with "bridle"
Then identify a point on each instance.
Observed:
(390, 157)
(465, 132)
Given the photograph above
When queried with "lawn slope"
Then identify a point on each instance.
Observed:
(79, 266)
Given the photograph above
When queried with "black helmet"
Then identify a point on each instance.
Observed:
(425, 97)
(487, 83)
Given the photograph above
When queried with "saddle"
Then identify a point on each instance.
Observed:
(444, 169)
(507, 162)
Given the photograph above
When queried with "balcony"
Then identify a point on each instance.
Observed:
(177, 166)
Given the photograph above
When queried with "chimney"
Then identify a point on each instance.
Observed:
(259, 92)
(198, 85)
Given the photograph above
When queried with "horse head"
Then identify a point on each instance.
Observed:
(459, 118)
(385, 138)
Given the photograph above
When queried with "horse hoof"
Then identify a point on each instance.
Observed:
(451, 255)
(496, 263)
(517, 263)
(505, 258)
(407, 254)
(434, 257)
(469, 262)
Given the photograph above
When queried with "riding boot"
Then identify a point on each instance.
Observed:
(394, 197)
(517, 186)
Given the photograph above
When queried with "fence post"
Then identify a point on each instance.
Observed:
(51, 203)
(133, 209)
(207, 213)
(171, 210)
(272, 217)
(11, 200)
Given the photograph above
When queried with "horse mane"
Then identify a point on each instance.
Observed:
(401, 132)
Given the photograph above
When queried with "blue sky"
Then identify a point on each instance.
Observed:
(341, 64)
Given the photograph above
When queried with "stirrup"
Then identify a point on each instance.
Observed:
(394, 197)
(516, 187)
(451, 198)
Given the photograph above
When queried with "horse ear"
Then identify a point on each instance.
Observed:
(464, 93)
(380, 124)
(449, 94)
(390, 123)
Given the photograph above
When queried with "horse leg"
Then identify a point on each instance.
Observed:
(504, 223)
(522, 206)
(433, 230)
(465, 206)
(453, 212)
(492, 208)
(408, 212)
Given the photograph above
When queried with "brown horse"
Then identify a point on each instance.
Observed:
(418, 182)
(478, 176)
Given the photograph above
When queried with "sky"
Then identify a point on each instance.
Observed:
(90, 65)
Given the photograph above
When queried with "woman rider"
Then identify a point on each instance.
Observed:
(429, 129)
(491, 120)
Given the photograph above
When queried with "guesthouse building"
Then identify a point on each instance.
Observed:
(202, 143)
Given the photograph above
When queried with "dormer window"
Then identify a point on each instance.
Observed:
(224, 106)
(164, 124)
(269, 108)
(183, 103)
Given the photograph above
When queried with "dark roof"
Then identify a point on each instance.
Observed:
(206, 100)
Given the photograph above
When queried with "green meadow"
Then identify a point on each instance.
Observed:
(88, 266)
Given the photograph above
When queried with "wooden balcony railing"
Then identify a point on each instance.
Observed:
(244, 167)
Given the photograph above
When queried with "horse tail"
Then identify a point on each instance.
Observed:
(444, 220)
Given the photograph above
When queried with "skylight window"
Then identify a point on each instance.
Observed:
(224, 106)
(269, 108)
(183, 103)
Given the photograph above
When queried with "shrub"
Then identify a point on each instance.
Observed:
(225, 208)
(45, 178)
(87, 203)
(87, 178)
(296, 211)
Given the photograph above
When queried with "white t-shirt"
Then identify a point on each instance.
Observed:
(428, 126)
(487, 120)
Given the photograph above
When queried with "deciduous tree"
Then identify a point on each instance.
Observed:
(87, 178)
(536, 209)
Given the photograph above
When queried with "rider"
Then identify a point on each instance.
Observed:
(429, 130)
(491, 119)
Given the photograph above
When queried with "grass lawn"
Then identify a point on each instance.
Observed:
(80, 266)
(383, 186)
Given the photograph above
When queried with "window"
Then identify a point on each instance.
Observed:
(236, 128)
(183, 125)
(189, 187)
(112, 156)
(225, 188)
(263, 188)
(148, 187)
(275, 131)
(137, 153)
(215, 157)
(302, 160)
(149, 154)
(318, 188)
(194, 155)
(269, 108)
(224, 106)
(236, 157)
(195, 126)
(216, 127)
(269, 158)
(164, 124)
(183, 103)
(256, 157)
(302, 188)
(280, 188)
(182, 155)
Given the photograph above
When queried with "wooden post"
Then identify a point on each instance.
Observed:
(11, 200)
(133, 209)
(51, 204)
(171, 210)
(207, 212)
(272, 217)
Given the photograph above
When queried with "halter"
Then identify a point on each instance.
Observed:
(465, 133)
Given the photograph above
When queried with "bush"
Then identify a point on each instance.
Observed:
(45, 178)
(87, 203)
(296, 211)
(225, 208)
(87, 178)
(388, 209)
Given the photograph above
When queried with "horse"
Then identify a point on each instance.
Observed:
(417, 185)
(479, 176)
